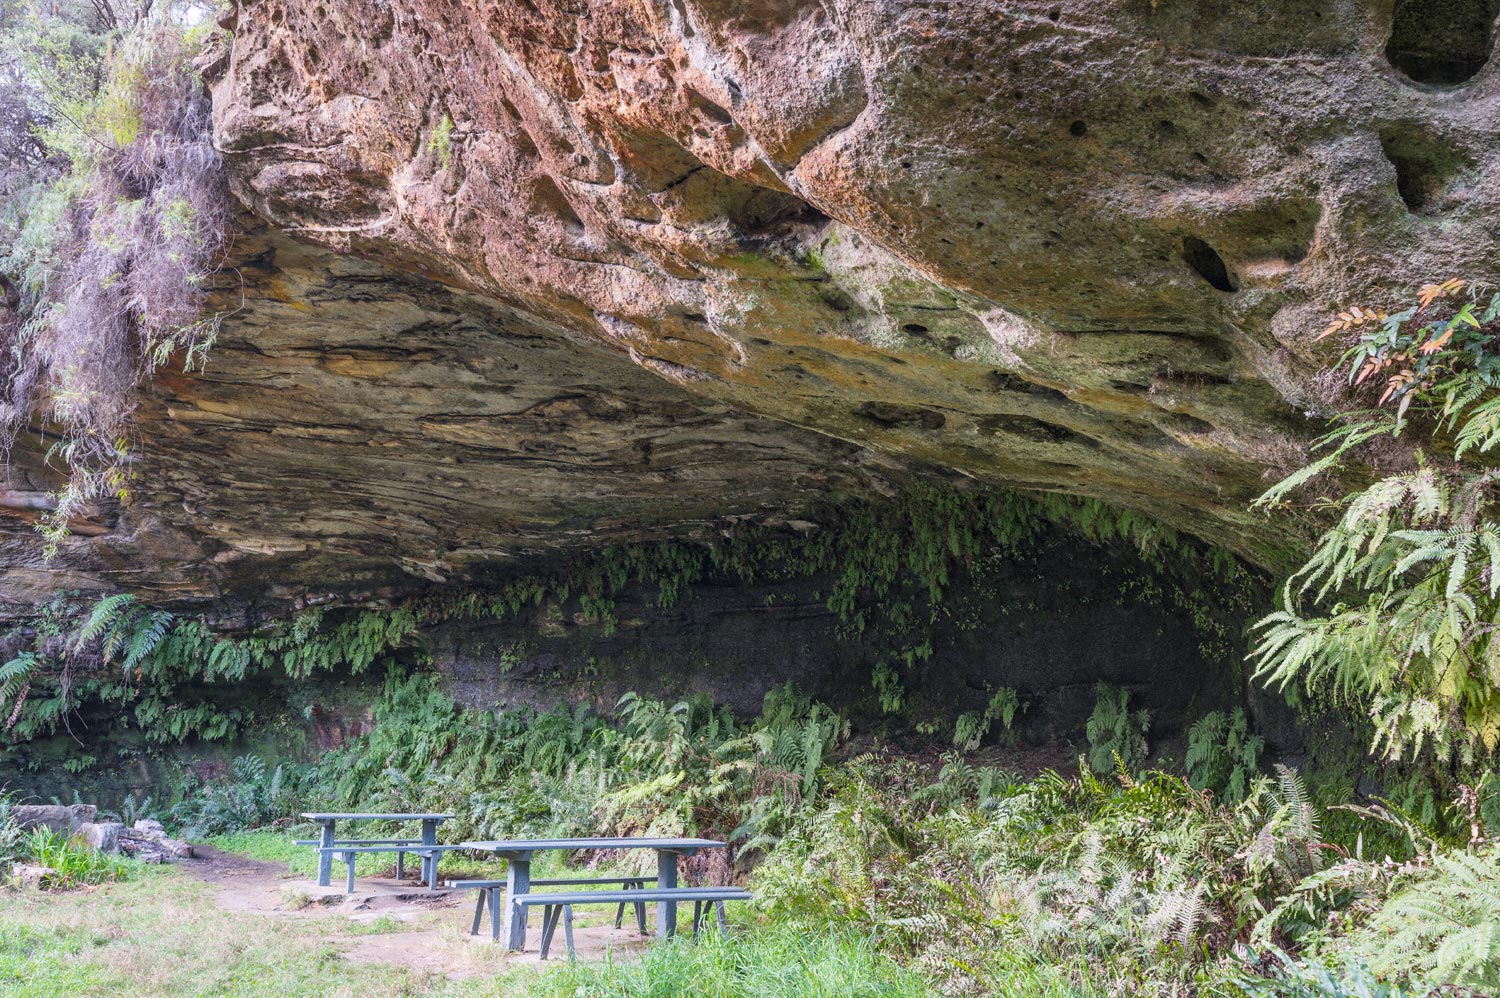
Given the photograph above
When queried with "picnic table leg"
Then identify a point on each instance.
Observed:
(517, 882)
(430, 863)
(400, 866)
(666, 878)
(325, 858)
(349, 859)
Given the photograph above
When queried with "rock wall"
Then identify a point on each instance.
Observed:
(1076, 246)
(535, 275)
(1050, 624)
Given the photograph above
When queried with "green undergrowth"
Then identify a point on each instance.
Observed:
(71, 862)
(967, 876)
(889, 565)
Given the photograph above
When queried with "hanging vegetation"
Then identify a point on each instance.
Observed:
(123, 219)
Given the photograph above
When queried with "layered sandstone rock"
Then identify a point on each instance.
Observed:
(719, 256)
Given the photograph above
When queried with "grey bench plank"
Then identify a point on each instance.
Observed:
(368, 816)
(471, 884)
(649, 894)
(413, 847)
(489, 897)
(359, 842)
(427, 852)
(540, 845)
(559, 905)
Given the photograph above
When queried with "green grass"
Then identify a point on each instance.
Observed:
(73, 863)
(161, 933)
(774, 963)
(277, 847)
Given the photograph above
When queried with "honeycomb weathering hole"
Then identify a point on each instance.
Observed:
(1442, 42)
(1425, 165)
(1209, 265)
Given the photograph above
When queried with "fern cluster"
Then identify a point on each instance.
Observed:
(1223, 754)
(1399, 603)
(1116, 734)
(890, 564)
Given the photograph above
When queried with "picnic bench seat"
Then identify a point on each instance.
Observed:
(427, 852)
(400, 856)
(489, 897)
(560, 905)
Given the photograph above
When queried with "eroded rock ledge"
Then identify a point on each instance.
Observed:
(720, 257)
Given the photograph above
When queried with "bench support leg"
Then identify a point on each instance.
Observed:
(400, 866)
(495, 915)
(550, 915)
(349, 859)
(430, 861)
(629, 885)
(719, 913)
(484, 897)
(567, 913)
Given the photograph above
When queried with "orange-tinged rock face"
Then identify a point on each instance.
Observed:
(1076, 246)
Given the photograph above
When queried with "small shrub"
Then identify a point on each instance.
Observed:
(887, 683)
(440, 142)
(1442, 925)
(247, 797)
(74, 863)
(1285, 977)
(11, 835)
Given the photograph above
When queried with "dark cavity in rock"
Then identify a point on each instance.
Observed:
(1442, 42)
(892, 414)
(1425, 165)
(1204, 259)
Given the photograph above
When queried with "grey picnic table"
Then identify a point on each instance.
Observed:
(518, 852)
(327, 840)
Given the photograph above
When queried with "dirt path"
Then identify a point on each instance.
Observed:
(390, 922)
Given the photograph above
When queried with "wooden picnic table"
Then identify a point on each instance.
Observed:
(327, 840)
(518, 852)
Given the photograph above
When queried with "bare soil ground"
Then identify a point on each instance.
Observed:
(399, 923)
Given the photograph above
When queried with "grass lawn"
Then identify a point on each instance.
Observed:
(162, 933)
(277, 847)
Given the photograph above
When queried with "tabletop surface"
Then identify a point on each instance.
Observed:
(535, 845)
(323, 816)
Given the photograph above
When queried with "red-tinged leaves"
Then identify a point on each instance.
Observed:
(1432, 292)
(1433, 346)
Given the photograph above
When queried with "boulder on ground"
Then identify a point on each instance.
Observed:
(104, 836)
(63, 818)
(148, 843)
(24, 875)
